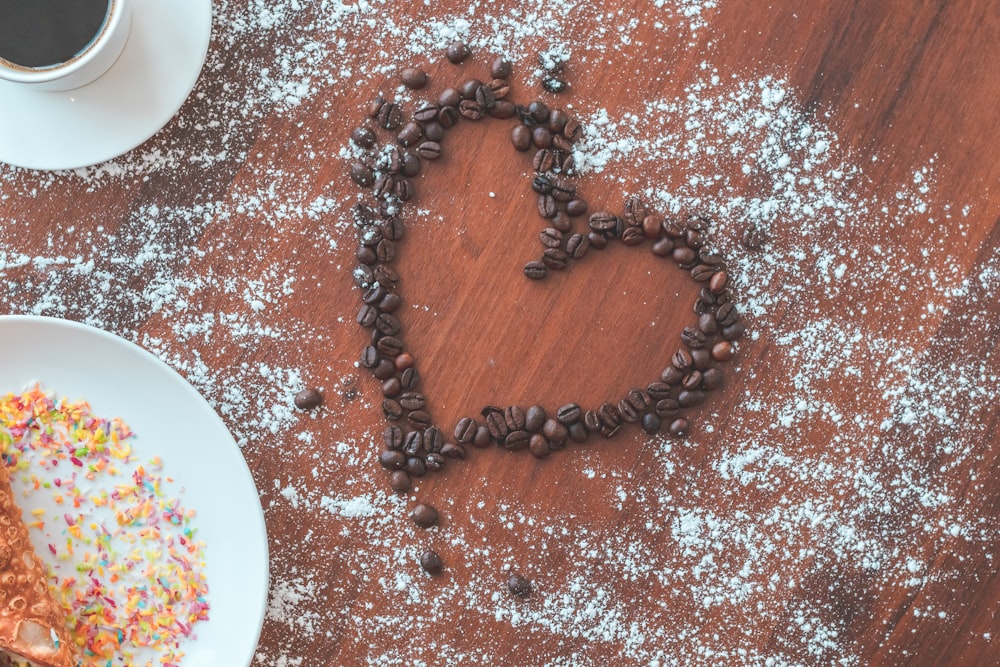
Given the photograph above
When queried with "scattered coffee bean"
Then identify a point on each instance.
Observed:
(307, 399)
(519, 586)
(457, 52)
(425, 515)
(413, 77)
(431, 563)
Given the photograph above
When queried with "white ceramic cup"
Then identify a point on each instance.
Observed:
(85, 66)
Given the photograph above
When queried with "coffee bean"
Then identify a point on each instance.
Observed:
(726, 314)
(469, 89)
(702, 273)
(390, 116)
(448, 116)
(413, 77)
(425, 515)
(591, 420)
(433, 131)
(555, 259)
(680, 427)
(690, 397)
(520, 136)
(496, 424)
(629, 414)
(609, 414)
(681, 360)
(399, 481)
(551, 237)
(650, 423)
(519, 586)
(541, 137)
(712, 378)
(482, 438)
(554, 84)
(577, 245)
(391, 388)
(632, 236)
(309, 398)
(561, 221)
(361, 174)
(418, 419)
(557, 120)
(638, 399)
(471, 110)
(413, 443)
(384, 369)
(514, 417)
(576, 207)
(572, 130)
(375, 106)
(502, 108)
(457, 51)
(465, 431)
(409, 378)
(538, 111)
(450, 450)
(658, 390)
(393, 437)
(433, 439)
(693, 337)
(597, 240)
(388, 324)
(392, 410)
(363, 137)
(718, 282)
(693, 238)
(411, 133)
(485, 97)
(535, 270)
(429, 150)
(578, 432)
(707, 324)
(427, 112)
(666, 407)
(392, 459)
(652, 225)
(685, 257)
(411, 164)
(663, 247)
(555, 432)
(734, 331)
(539, 446)
(390, 346)
(547, 207)
(602, 221)
(501, 68)
(692, 380)
(534, 418)
(569, 413)
(516, 440)
(722, 351)
(366, 255)
(752, 237)
(449, 97)
(701, 358)
(416, 466)
(431, 563)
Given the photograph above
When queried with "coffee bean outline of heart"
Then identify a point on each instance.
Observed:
(413, 444)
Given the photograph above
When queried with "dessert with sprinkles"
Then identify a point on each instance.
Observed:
(125, 564)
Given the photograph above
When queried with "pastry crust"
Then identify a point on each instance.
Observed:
(32, 623)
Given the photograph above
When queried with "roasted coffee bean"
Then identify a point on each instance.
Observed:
(367, 315)
(393, 437)
(502, 109)
(576, 207)
(433, 439)
(578, 432)
(569, 413)
(734, 331)
(424, 515)
(541, 184)
(684, 256)
(539, 446)
(501, 68)
(602, 221)
(388, 324)
(572, 130)
(534, 418)
(544, 160)
(413, 443)
(672, 228)
(429, 150)
(389, 346)
(404, 361)
(752, 238)
(496, 424)
(390, 116)
(308, 398)
(541, 137)
(450, 450)
(726, 314)
(650, 423)
(702, 273)
(652, 225)
(591, 420)
(719, 282)
(392, 459)
(410, 133)
(483, 437)
(638, 399)
(693, 238)
(520, 136)
(516, 440)
(431, 563)
(448, 116)
(609, 414)
(663, 247)
(632, 236)
(514, 416)
(457, 51)
(411, 164)
(449, 97)
(409, 378)
(554, 431)
(412, 400)
(690, 397)
(469, 88)
(539, 111)
(427, 112)
(363, 137)
(629, 414)
(391, 388)
(384, 369)
(386, 275)
(535, 270)
(416, 466)
(433, 131)
(375, 106)
(577, 245)
(392, 410)
(547, 207)
(635, 212)
(707, 324)
(557, 120)
(554, 84)
(693, 338)
(561, 143)
(485, 97)
(680, 427)
(385, 251)
(465, 431)
(471, 110)
(369, 357)
(434, 461)
(712, 259)
(383, 185)
(413, 77)
(722, 351)
(701, 358)
(681, 360)
(519, 586)
(418, 419)
(666, 407)
(712, 378)
(392, 229)
(361, 174)
(692, 380)
(399, 481)
(551, 237)
(403, 189)
(597, 240)
(555, 259)
(658, 390)
(609, 430)
(561, 221)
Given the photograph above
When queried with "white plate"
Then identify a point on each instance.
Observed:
(119, 379)
(131, 102)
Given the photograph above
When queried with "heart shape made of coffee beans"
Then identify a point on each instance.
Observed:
(414, 445)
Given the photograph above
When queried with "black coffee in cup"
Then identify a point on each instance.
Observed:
(45, 33)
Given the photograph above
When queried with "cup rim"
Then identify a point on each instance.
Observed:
(22, 74)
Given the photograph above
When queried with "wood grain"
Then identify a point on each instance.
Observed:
(900, 85)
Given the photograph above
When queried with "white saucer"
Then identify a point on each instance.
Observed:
(131, 102)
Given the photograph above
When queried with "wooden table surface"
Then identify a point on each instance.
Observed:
(835, 502)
